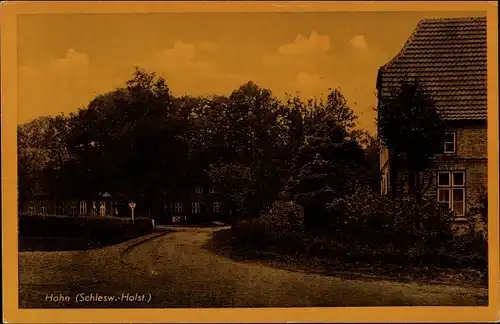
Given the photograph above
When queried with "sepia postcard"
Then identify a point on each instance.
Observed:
(226, 161)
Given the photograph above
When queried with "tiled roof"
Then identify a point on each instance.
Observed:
(449, 57)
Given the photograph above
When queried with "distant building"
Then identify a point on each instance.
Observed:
(198, 204)
(449, 57)
(42, 197)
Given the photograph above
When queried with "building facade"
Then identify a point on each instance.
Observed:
(44, 198)
(196, 205)
(199, 204)
(448, 56)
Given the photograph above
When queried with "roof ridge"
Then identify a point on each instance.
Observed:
(464, 18)
(404, 48)
(419, 28)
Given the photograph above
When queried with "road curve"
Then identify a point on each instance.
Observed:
(178, 266)
(177, 272)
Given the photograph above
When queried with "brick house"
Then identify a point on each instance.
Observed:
(448, 56)
(42, 197)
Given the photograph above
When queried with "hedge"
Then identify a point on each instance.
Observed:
(104, 230)
(375, 231)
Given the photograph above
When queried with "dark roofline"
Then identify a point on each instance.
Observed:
(432, 24)
(415, 32)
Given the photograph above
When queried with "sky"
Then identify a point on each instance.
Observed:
(65, 60)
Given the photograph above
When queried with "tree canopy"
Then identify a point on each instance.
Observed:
(410, 124)
(139, 141)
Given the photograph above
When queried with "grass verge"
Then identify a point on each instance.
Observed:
(220, 244)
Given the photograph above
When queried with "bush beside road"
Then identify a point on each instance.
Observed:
(383, 240)
(58, 233)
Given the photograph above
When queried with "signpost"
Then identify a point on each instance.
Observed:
(132, 207)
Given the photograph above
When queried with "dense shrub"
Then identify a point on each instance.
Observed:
(370, 228)
(368, 218)
(280, 228)
(480, 211)
(104, 230)
(404, 232)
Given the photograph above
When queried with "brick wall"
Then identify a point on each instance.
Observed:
(472, 142)
(470, 156)
(475, 179)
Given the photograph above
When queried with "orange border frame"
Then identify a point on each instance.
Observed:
(9, 11)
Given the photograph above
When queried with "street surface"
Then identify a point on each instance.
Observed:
(173, 270)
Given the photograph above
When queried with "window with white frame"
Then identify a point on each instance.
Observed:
(451, 190)
(199, 189)
(43, 207)
(196, 208)
(72, 208)
(450, 143)
(60, 210)
(178, 207)
(83, 207)
(31, 208)
(217, 205)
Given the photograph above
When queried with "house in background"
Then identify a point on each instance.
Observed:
(197, 204)
(448, 56)
(45, 198)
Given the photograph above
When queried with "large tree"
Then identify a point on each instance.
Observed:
(131, 141)
(413, 129)
(329, 163)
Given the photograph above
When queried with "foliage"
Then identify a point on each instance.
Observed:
(329, 162)
(281, 227)
(234, 181)
(139, 141)
(479, 212)
(368, 218)
(98, 229)
(370, 228)
(126, 139)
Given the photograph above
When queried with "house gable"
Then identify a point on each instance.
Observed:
(448, 56)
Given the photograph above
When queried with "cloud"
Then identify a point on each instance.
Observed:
(73, 59)
(182, 56)
(71, 71)
(315, 44)
(359, 41)
(304, 54)
(187, 69)
(62, 85)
